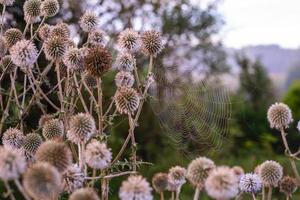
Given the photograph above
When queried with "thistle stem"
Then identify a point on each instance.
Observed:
(269, 193)
(162, 196)
(2, 18)
(21, 189)
(197, 194)
(133, 143)
(253, 196)
(9, 191)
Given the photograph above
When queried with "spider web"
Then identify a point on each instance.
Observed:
(194, 116)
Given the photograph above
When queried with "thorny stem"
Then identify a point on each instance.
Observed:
(197, 193)
(80, 95)
(21, 189)
(111, 175)
(269, 193)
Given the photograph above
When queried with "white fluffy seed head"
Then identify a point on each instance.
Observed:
(198, 171)
(88, 21)
(53, 128)
(73, 178)
(74, 59)
(13, 138)
(82, 127)
(250, 183)
(279, 116)
(222, 184)
(127, 100)
(24, 53)
(12, 163)
(84, 194)
(125, 62)
(97, 155)
(270, 173)
(135, 188)
(49, 8)
(129, 40)
(176, 178)
(7, 2)
(124, 79)
(32, 10)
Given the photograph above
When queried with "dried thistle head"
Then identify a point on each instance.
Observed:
(73, 178)
(279, 116)
(90, 80)
(176, 178)
(55, 48)
(44, 32)
(12, 36)
(250, 183)
(124, 79)
(31, 143)
(129, 40)
(127, 100)
(49, 8)
(84, 193)
(42, 181)
(24, 53)
(55, 153)
(270, 173)
(60, 30)
(32, 10)
(238, 171)
(7, 2)
(135, 187)
(13, 138)
(97, 155)
(152, 43)
(98, 61)
(97, 37)
(125, 62)
(53, 128)
(160, 182)
(44, 118)
(7, 64)
(74, 59)
(288, 185)
(88, 21)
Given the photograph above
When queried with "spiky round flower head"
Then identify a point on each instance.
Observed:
(42, 181)
(32, 10)
(127, 100)
(250, 183)
(98, 61)
(288, 185)
(7, 2)
(13, 138)
(6, 63)
(222, 184)
(82, 127)
(135, 188)
(55, 48)
(152, 43)
(88, 21)
(49, 8)
(74, 59)
(129, 40)
(3, 47)
(97, 155)
(198, 171)
(23, 53)
(31, 143)
(238, 171)
(125, 62)
(160, 182)
(12, 163)
(176, 178)
(73, 178)
(12, 36)
(53, 128)
(270, 173)
(279, 116)
(97, 37)
(45, 118)
(124, 79)
(55, 153)
(44, 32)
(84, 194)
(90, 80)
(60, 30)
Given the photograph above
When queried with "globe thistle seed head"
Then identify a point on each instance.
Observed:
(55, 48)
(84, 194)
(160, 182)
(45, 118)
(222, 184)
(55, 153)
(49, 8)
(13, 138)
(97, 155)
(82, 127)
(88, 21)
(31, 143)
(97, 37)
(3, 47)
(129, 40)
(12, 163)
(7, 2)
(176, 178)
(135, 188)
(124, 79)
(73, 178)
(60, 30)
(90, 80)
(250, 183)
(198, 171)
(32, 10)
(74, 59)
(152, 43)
(238, 171)
(44, 32)
(270, 173)
(24, 53)
(125, 62)
(53, 128)
(288, 185)
(42, 181)
(279, 116)
(98, 61)
(12, 36)
(6, 63)
(127, 100)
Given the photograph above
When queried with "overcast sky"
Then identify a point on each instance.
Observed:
(254, 22)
